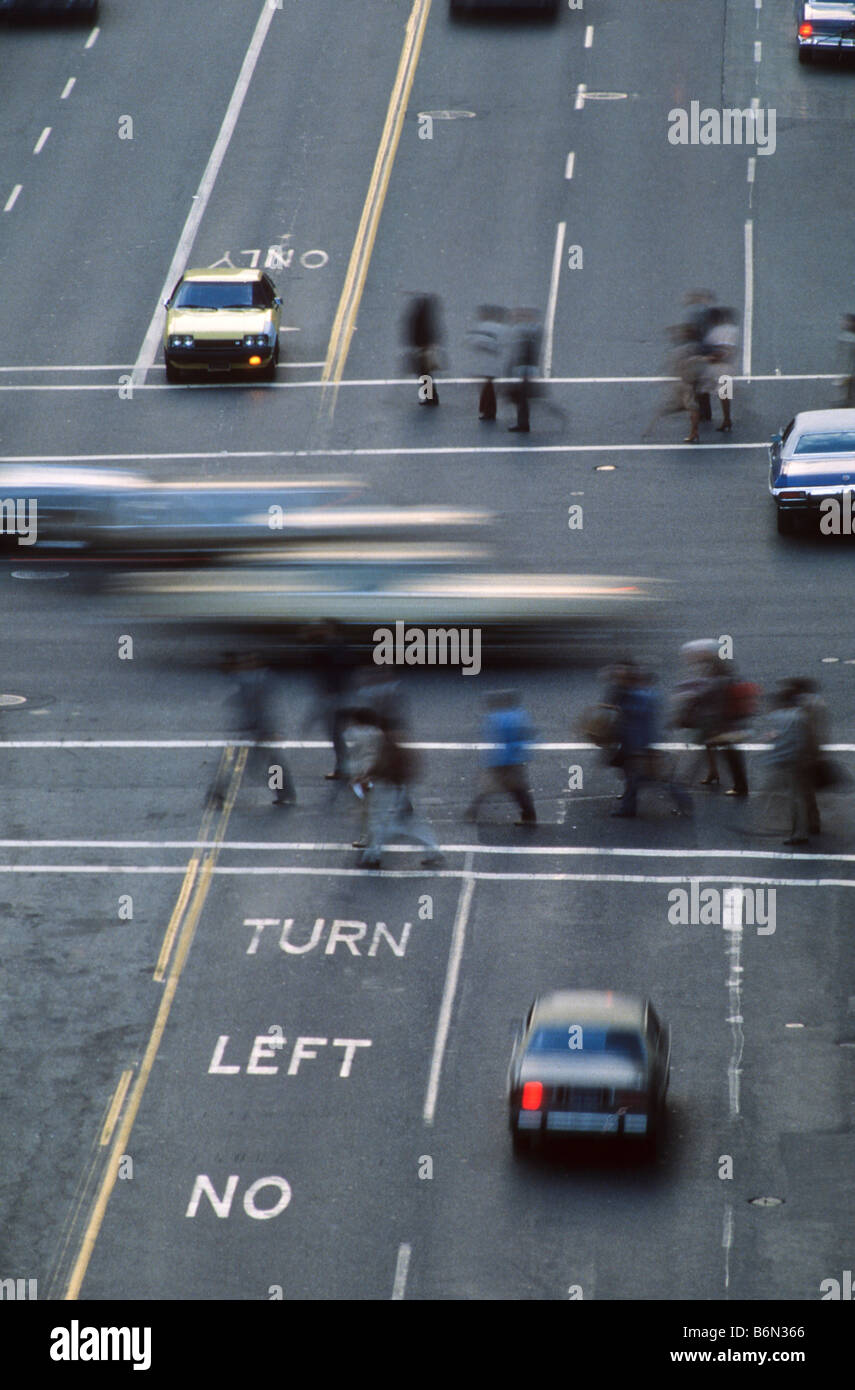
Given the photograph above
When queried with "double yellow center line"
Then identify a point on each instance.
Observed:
(360, 257)
(179, 935)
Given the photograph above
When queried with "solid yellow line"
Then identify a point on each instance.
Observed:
(189, 877)
(351, 295)
(120, 1143)
(177, 914)
(115, 1106)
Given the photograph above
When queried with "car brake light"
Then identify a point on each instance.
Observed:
(805, 31)
(791, 495)
(532, 1095)
(255, 361)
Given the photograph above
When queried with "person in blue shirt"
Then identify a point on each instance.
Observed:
(508, 727)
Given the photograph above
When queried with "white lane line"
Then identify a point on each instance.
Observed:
(402, 1265)
(733, 907)
(758, 51)
(67, 89)
(560, 233)
(151, 340)
(42, 140)
(13, 197)
(513, 850)
(727, 1241)
(425, 745)
(748, 316)
(93, 37)
(580, 96)
(452, 974)
(589, 35)
(479, 875)
(569, 166)
(409, 452)
(408, 381)
(752, 168)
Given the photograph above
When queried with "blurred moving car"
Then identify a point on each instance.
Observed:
(109, 515)
(366, 584)
(222, 320)
(589, 1063)
(49, 9)
(548, 9)
(813, 459)
(824, 26)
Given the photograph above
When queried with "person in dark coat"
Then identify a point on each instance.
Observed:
(523, 363)
(422, 333)
(253, 717)
(638, 704)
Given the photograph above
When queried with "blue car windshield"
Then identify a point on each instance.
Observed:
(220, 294)
(838, 442)
(581, 1039)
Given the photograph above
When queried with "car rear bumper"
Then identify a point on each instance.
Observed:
(582, 1122)
(829, 43)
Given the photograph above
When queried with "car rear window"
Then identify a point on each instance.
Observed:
(837, 442)
(582, 1038)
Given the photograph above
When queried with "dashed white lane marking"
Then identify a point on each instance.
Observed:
(727, 1241)
(13, 198)
(67, 89)
(580, 96)
(733, 908)
(42, 140)
(758, 51)
(151, 340)
(560, 233)
(93, 37)
(589, 35)
(402, 1265)
(570, 165)
(752, 168)
(748, 313)
(452, 974)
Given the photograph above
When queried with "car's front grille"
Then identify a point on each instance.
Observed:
(581, 1098)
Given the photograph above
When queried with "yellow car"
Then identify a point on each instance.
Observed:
(222, 321)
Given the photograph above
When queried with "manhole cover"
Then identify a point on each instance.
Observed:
(766, 1201)
(8, 701)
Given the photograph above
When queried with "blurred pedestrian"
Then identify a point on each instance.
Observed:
(638, 704)
(391, 775)
(422, 334)
(488, 340)
(719, 346)
(251, 701)
(524, 341)
(716, 706)
(788, 761)
(818, 772)
(331, 666)
(364, 738)
(507, 726)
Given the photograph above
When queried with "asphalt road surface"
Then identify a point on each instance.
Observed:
(235, 1065)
